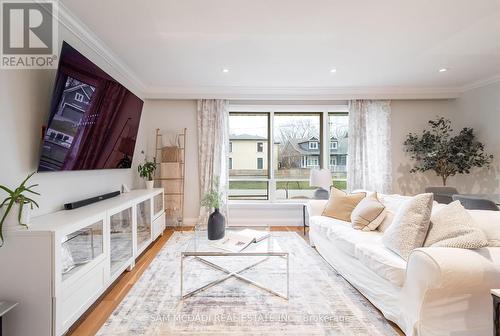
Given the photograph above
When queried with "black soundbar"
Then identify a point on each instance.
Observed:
(78, 204)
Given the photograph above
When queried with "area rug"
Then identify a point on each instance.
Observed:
(321, 302)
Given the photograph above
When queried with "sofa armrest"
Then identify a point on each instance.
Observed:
(316, 207)
(445, 267)
(446, 283)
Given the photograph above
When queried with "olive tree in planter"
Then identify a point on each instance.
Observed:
(147, 171)
(445, 153)
(17, 200)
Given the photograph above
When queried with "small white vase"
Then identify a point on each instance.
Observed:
(149, 185)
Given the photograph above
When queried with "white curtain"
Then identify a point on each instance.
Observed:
(213, 142)
(369, 153)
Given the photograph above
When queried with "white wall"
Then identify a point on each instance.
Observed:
(174, 115)
(480, 109)
(412, 116)
(24, 107)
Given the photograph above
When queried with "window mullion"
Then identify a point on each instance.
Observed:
(325, 141)
(272, 158)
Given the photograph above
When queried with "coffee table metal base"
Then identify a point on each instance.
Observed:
(236, 275)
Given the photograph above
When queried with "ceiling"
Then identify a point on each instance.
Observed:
(184, 45)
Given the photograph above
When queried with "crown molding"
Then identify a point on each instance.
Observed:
(92, 41)
(481, 83)
(299, 93)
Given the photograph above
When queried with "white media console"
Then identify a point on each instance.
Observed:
(60, 265)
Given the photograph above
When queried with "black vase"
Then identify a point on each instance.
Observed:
(216, 225)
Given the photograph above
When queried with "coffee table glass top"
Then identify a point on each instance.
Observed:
(200, 245)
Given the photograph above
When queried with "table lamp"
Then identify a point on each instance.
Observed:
(321, 178)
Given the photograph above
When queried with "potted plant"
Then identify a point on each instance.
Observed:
(213, 199)
(17, 206)
(146, 171)
(446, 154)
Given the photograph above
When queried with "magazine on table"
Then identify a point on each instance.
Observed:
(238, 241)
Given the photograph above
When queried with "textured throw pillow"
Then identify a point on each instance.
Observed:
(368, 214)
(452, 226)
(340, 205)
(410, 225)
(487, 221)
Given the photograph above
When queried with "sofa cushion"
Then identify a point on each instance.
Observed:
(342, 234)
(451, 226)
(410, 225)
(347, 240)
(325, 225)
(382, 262)
(489, 222)
(340, 206)
(368, 214)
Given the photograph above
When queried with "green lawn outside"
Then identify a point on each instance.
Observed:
(292, 185)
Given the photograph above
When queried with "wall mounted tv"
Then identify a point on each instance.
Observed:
(93, 119)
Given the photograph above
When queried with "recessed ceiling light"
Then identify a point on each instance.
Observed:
(333, 70)
(225, 70)
(443, 69)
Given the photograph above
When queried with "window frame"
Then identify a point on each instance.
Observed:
(267, 178)
(261, 160)
(271, 110)
(260, 147)
(78, 94)
(316, 143)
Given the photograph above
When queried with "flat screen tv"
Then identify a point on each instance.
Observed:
(93, 119)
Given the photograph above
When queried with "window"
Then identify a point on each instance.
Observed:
(338, 125)
(273, 152)
(260, 163)
(249, 174)
(313, 145)
(79, 97)
(297, 137)
(313, 161)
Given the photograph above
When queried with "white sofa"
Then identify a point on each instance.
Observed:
(439, 291)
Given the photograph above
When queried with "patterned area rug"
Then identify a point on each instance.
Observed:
(321, 301)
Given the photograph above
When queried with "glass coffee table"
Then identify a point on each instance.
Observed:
(199, 247)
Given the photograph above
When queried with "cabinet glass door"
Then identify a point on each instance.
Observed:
(143, 223)
(81, 247)
(158, 204)
(120, 239)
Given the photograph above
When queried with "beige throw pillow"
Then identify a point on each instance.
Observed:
(368, 214)
(452, 226)
(410, 225)
(340, 205)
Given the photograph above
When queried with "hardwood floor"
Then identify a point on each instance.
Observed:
(97, 315)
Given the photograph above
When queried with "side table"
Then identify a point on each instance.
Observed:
(304, 209)
(495, 293)
(5, 307)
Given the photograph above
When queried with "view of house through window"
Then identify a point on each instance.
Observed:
(248, 156)
(338, 133)
(297, 147)
(299, 150)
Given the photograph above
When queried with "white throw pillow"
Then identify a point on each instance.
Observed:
(410, 225)
(452, 226)
(489, 222)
